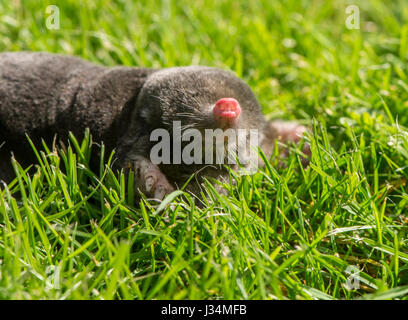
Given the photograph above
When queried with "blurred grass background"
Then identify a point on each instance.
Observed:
(292, 237)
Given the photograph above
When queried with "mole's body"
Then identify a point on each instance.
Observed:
(44, 94)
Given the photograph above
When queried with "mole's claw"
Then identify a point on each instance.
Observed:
(150, 181)
(162, 188)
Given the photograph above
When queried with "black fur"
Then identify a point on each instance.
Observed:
(46, 94)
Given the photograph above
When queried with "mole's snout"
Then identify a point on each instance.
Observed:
(227, 111)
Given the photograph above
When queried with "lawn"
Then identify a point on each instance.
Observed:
(335, 230)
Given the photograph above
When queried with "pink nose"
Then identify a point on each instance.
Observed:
(227, 108)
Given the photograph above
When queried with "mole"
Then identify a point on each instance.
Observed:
(46, 95)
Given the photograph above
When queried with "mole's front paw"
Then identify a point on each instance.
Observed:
(292, 131)
(150, 180)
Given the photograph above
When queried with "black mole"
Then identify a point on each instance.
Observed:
(44, 95)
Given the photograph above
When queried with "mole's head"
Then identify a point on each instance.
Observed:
(198, 98)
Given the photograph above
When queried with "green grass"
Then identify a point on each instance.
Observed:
(284, 233)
